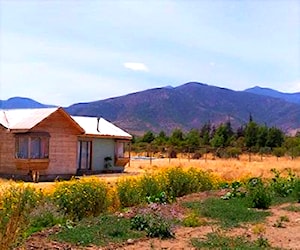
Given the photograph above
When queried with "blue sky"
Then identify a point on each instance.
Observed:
(64, 52)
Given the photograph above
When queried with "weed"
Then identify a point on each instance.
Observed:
(292, 208)
(259, 194)
(217, 240)
(297, 190)
(16, 203)
(230, 213)
(154, 225)
(283, 186)
(193, 220)
(99, 231)
(236, 191)
(279, 222)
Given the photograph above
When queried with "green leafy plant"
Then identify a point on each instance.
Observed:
(193, 220)
(236, 191)
(259, 194)
(297, 190)
(230, 213)
(217, 240)
(154, 225)
(283, 186)
(100, 231)
(161, 198)
(280, 221)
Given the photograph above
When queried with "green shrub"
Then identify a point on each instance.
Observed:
(192, 220)
(178, 182)
(164, 186)
(129, 192)
(44, 220)
(236, 191)
(283, 186)
(16, 203)
(150, 185)
(259, 194)
(162, 198)
(154, 225)
(297, 190)
(82, 198)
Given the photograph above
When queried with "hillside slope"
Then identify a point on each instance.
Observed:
(21, 103)
(289, 97)
(190, 106)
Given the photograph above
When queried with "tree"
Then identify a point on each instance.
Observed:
(177, 138)
(275, 137)
(223, 136)
(161, 139)
(251, 132)
(205, 133)
(193, 139)
(262, 134)
(148, 137)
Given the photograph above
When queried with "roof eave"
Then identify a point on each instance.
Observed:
(129, 138)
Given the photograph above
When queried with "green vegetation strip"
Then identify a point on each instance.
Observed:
(219, 241)
(98, 231)
(230, 213)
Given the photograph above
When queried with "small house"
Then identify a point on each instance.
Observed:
(49, 143)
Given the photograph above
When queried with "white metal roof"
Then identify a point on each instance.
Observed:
(24, 119)
(103, 129)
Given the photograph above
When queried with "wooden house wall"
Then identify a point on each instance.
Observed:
(62, 145)
(7, 152)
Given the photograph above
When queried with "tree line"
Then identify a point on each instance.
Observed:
(222, 140)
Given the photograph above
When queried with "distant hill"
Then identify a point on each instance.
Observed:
(289, 97)
(21, 103)
(190, 106)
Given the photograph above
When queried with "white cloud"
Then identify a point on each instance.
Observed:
(136, 66)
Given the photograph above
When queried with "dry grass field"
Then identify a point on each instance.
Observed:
(228, 169)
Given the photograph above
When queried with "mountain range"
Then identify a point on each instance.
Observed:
(22, 103)
(190, 106)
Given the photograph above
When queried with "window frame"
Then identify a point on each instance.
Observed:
(33, 141)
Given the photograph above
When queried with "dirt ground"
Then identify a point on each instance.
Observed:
(285, 237)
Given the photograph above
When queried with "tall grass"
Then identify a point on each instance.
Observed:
(174, 182)
(82, 198)
(16, 203)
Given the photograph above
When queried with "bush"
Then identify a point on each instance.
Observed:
(180, 182)
(192, 220)
(163, 187)
(154, 225)
(297, 190)
(129, 192)
(150, 185)
(16, 203)
(259, 194)
(82, 198)
(283, 186)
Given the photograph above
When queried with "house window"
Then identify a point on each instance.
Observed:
(121, 147)
(32, 146)
(84, 155)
